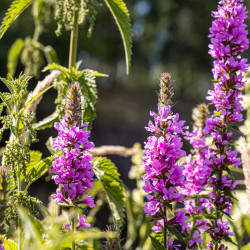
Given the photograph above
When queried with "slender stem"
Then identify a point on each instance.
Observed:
(72, 227)
(74, 37)
(165, 228)
(72, 61)
(19, 224)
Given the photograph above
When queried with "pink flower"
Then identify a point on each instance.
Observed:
(81, 222)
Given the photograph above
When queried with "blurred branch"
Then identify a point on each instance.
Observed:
(115, 150)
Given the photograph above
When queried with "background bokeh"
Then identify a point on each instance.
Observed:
(168, 36)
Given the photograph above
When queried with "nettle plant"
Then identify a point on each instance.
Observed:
(187, 198)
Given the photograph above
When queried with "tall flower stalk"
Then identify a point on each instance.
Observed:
(163, 175)
(73, 165)
(197, 175)
(228, 41)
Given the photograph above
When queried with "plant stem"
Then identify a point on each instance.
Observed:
(19, 225)
(165, 228)
(72, 61)
(73, 226)
(74, 37)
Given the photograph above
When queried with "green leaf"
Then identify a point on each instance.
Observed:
(246, 247)
(54, 66)
(31, 227)
(175, 232)
(235, 231)
(13, 56)
(247, 224)
(217, 113)
(10, 245)
(5, 99)
(234, 169)
(47, 122)
(39, 170)
(16, 8)
(50, 54)
(228, 239)
(35, 157)
(106, 172)
(35, 97)
(89, 96)
(156, 244)
(122, 18)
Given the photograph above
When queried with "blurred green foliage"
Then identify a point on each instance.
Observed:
(167, 36)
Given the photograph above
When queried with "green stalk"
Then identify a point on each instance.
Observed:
(19, 224)
(73, 242)
(74, 37)
(72, 61)
(165, 228)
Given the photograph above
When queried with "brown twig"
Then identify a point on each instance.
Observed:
(115, 150)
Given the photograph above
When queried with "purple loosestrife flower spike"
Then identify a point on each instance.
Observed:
(197, 176)
(228, 40)
(163, 175)
(73, 167)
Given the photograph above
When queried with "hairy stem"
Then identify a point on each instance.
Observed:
(74, 37)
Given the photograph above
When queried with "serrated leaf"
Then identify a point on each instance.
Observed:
(107, 173)
(10, 245)
(175, 232)
(122, 18)
(39, 170)
(47, 122)
(35, 157)
(13, 56)
(4, 97)
(156, 244)
(89, 96)
(16, 8)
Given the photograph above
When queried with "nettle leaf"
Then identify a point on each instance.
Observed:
(89, 96)
(107, 173)
(47, 122)
(39, 170)
(16, 8)
(122, 18)
(156, 244)
(13, 56)
(35, 157)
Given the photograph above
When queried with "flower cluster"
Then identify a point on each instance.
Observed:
(163, 175)
(73, 165)
(197, 176)
(228, 40)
